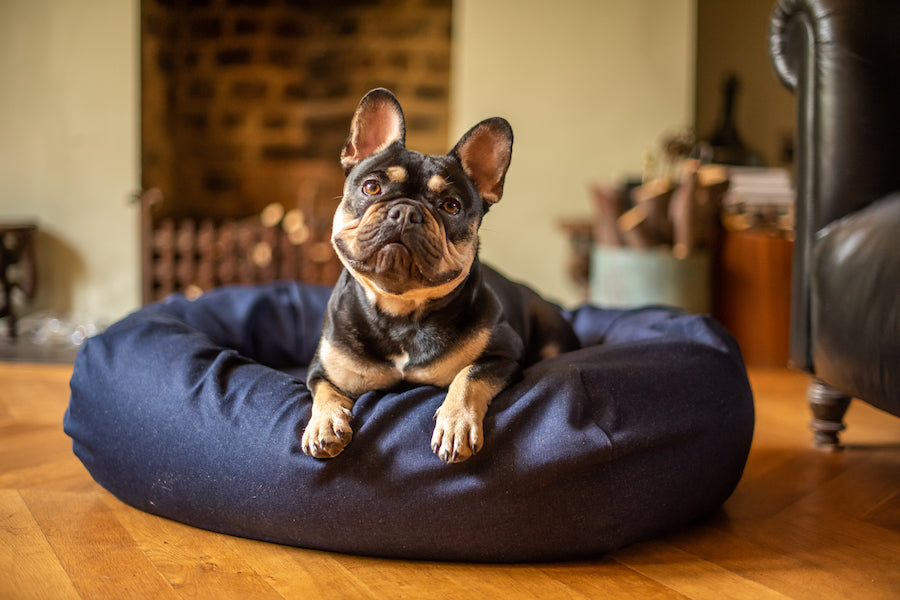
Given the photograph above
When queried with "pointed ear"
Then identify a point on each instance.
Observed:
(485, 152)
(377, 123)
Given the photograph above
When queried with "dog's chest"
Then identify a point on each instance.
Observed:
(401, 362)
(419, 361)
(434, 360)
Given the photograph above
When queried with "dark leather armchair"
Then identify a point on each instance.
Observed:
(842, 60)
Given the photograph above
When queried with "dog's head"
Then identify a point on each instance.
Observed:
(407, 227)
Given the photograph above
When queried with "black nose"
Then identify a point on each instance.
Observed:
(405, 214)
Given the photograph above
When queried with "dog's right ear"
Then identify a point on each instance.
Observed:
(377, 123)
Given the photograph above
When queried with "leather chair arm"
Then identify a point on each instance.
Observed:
(841, 58)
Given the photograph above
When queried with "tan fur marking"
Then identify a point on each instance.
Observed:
(459, 429)
(458, 256)
(396, 173)
(437, 184)
(551, 350)
(454, 257)
(353, 375)
(343, 225)
(443, 371)
(326, 394)
(328, 430)
(411, 301)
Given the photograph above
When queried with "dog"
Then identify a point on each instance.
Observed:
(413, 303)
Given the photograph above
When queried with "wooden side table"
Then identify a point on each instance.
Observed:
(753, 293)
(18, 269)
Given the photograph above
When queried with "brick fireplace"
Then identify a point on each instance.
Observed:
(246, 104)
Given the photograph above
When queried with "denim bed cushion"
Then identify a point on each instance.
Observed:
(193, 410)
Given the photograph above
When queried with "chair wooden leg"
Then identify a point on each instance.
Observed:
(828, 408)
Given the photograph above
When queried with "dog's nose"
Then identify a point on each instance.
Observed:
(405, 214)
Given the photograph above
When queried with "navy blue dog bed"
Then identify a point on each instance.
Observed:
(193, 410)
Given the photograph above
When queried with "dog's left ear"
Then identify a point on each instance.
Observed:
(377, 123)
(485, 152)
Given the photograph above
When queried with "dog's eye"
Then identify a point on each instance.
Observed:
(451, 206)
(371, 187)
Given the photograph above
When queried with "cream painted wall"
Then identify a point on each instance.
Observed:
(69, 147)
(588, 86)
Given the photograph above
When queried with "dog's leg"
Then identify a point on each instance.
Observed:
(459, 422)
(328, 431)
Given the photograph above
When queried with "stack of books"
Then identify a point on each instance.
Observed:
(759, 198)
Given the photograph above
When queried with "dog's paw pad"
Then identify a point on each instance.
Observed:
(326, 436)
(457, 437)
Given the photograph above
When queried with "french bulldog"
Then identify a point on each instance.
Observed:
(413, 303)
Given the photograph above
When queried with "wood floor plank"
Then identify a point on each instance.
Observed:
(872, 479)
(869, 428)
(779, 571)
(764, 492)
(299, 573)
(453, 581)
(28, 445)
(100, 557)
(41, 393)
(690, 575)
(860, 560)
(606, 579)
(517, 580)
(887, 513)
(837, 538)
(407, 579)
(62, 474)
(195, 562)
(28, 566)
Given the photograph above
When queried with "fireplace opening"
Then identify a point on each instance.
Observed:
(245, 105)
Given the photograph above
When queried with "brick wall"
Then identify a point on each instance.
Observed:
(248, 102)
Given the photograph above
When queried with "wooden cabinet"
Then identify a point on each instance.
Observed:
(753, 293)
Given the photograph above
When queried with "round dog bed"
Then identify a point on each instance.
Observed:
(193, 410)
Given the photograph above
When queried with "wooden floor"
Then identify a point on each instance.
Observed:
(802, 524)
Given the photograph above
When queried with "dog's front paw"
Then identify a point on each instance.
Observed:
(327, 433)
(458, 433)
